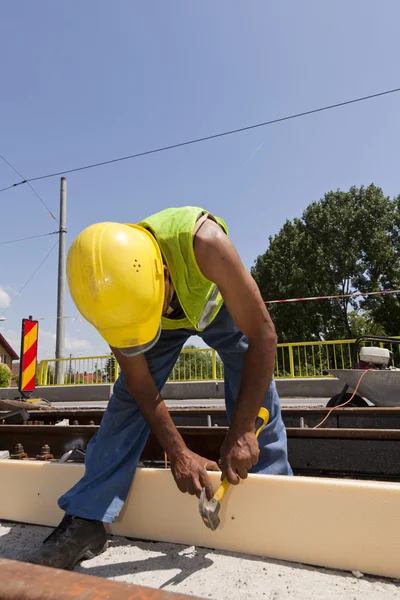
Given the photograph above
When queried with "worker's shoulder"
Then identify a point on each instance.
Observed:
(210, 232)
(211, 248)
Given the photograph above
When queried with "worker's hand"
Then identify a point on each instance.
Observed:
(238, 454)
(190, 472)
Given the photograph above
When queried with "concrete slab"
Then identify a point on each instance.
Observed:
(184, 390)
(199, 403)
(323, 387)
(193, 389)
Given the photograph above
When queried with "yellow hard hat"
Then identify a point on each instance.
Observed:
(116, 279)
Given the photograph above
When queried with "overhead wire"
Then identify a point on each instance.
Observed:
(32, 188)
(164, 149)
(30, 278)
(74, 318)
(336, 296)
(31, 237)
(203, 139)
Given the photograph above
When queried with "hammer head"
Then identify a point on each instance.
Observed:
(209, 510)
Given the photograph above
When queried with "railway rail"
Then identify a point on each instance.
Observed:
(362, 443)
(355, 418)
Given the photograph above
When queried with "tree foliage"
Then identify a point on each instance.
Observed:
(51, 375)
(5, 376)
(195, 364)
(346, 242)
(110, 370)
(362, 323)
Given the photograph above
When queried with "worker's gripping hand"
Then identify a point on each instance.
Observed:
(190, 472)
(238, 454)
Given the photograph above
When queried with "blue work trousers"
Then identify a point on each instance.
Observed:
(113, 453)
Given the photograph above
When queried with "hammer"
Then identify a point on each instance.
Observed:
(209, 509)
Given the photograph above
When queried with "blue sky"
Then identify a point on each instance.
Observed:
(88, 81)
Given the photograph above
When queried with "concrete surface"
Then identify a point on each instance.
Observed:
(196, 403)
(193, 389)
(65, 393)
(209, 574)
(185, 390)
(325, 387)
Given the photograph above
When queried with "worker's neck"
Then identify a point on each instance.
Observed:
(168, 293)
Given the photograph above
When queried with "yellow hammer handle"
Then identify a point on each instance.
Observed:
(221, 491)
(261, 421)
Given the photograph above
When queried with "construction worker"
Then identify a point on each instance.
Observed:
(146, 289)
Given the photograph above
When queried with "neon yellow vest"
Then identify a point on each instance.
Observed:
(199, 298)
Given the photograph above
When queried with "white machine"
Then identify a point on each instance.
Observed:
(376, 357)
(381, 385)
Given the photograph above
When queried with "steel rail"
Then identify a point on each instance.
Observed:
(23, 581)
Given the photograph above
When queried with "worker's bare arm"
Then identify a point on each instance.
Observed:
(140, 384)
(188, 468)
(219, 262)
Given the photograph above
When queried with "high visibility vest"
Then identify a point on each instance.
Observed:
(199, 298)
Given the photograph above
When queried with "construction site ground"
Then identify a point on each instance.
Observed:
(207, 573)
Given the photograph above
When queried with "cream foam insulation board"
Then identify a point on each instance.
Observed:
(341, 524)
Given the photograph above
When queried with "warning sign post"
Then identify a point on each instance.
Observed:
(29, 346)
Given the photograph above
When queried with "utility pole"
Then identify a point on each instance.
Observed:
(60, 334)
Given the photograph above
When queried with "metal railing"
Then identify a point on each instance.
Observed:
(195, 364)
(294, 360)
(312, 359)
(78, 370)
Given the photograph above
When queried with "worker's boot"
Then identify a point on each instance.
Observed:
(74, 539)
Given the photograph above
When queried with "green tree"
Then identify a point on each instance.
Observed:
(195, 365)
(5, 376)
(110, 369)
(69, 377)
(385, 275)
(362, 323)
(344, 243)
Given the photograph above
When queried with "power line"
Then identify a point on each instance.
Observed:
(56, 318)
(30, 278)
(204, 139)
(32, 237)
(33, 190)
(353, 295)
